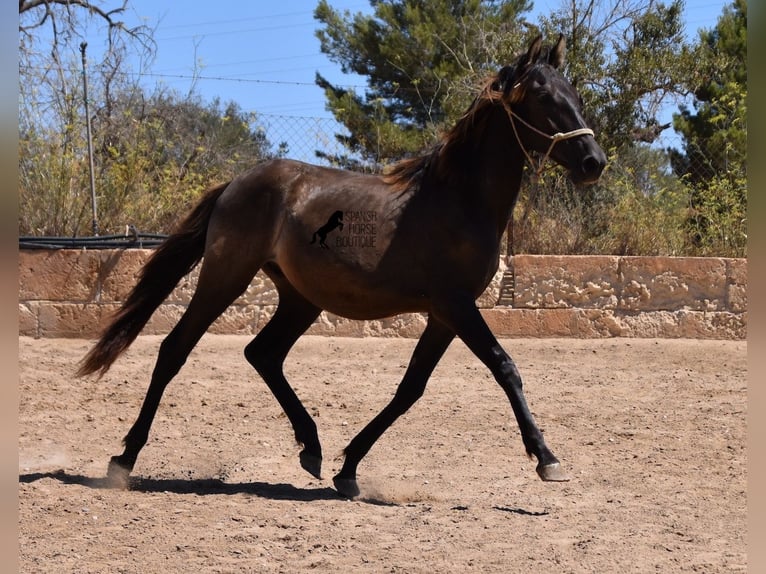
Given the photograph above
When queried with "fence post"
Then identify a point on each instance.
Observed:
(84, 45)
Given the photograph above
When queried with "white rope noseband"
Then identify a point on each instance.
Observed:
(555, 138)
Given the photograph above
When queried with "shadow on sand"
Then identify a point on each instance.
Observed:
(202, 486)
(212, 486)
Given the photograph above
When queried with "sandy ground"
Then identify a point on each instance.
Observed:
(652, 432)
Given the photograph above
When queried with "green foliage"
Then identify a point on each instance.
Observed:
(649, 205)
(153, 151)
(627, 58)
(422, 59)
(637, 208)
(713, 162)
(715, 132)
(717, 221)
(153, 155)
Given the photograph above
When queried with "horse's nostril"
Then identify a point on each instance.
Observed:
(591, 165)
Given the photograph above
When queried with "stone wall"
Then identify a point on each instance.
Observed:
(72, 293)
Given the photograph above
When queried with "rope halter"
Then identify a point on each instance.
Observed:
(554, 139)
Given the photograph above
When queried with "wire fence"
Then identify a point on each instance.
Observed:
(301, 137)
(313, 139)
(309, 139)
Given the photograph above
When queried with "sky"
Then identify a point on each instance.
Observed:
(264, 55)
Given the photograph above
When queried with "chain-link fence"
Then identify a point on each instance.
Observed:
(643, 208)
(300, 137)
(312, 139)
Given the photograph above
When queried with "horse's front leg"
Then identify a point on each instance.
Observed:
(462, 315)
(430, 348)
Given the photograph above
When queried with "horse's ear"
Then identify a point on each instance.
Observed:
(504, 80)
(532, 54)
(558, 53)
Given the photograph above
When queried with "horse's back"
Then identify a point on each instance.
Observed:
(331, 233)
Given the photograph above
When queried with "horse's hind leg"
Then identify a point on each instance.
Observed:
(220, 283)
(267, 352)
(429, 350)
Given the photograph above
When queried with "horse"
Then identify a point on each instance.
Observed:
(335, 222)
(438, 222)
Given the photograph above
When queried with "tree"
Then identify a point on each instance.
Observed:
(50, 89)
(713, 161)
(154, 154)
(627, 59)
(154, 151)
(50, 34)
(714, 132)
(422, 59)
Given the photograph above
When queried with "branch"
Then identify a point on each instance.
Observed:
(54, 10)
(26, 5)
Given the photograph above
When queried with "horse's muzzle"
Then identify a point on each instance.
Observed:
(590, 168)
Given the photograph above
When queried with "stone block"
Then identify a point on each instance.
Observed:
(597, 323)
(28, 319)
(736, 285)
(118, 272)
(73, 320)
(263, 315)
(572, 281)
(491, 294)
(261, 290)
(58, 275)
(236, 320)
(183, 292)
(672, 283)
(334, 325)
(164, 319)
(600, 323)
(684, 324)
(531, 322)
(74, 293)
(407, 325)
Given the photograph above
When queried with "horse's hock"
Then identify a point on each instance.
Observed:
(72, 293)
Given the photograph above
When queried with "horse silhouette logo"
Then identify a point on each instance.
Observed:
(335, 222)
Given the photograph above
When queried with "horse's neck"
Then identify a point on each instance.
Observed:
(493, 170)
(501, 185)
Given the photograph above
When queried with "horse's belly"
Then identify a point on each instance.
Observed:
(359, 296)
(350, 264)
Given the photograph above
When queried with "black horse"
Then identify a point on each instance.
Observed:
(335, 222)
(439, 220)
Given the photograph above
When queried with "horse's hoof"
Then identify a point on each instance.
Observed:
(346, 487)
(117, 475)
(552, 472)
(311, 464)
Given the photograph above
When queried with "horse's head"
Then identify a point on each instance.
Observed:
(545, 112)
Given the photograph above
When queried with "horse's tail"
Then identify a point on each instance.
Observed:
(177, 255)
(313, 239)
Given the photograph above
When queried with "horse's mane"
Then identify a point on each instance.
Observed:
(406, 172)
